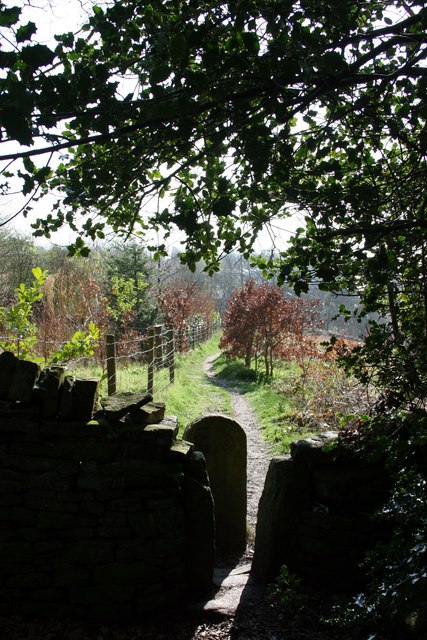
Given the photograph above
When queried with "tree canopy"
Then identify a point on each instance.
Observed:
(217, 117)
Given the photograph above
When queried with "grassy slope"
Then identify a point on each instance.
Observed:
(274, 409)
(193, 394)
(278, 404)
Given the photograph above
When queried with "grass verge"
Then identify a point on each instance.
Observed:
(296, 403)
(272, 408)
(193, 394)
(190, 396)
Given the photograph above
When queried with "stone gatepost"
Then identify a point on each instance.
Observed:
(223, 443)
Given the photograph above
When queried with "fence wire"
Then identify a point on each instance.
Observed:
(137, 355)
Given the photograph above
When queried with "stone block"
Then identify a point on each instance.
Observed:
(29, 581)
(52, 521)
(311, 451)
(46, 595)
(160, 600)
(145, 443)
(199, 518)
(10, 499)
(68, 430)
(106, 613)
(7, 367)
(20, 516)
(16, 552)
(8, 569)
(126, 574)
(30, 534)
(76, 533)
(25, 463)
(181, 450)
(24, 376)
(47, 546)
(127, 504)
(66, 402)
(9, 486)
(50, 610)
(344, 487)
(48, 504)
(150, 413)
(286, 493)
(88, 552)
(114, 532)
(115, 518)
(101, 595)
(15, 425)
(50, 384)
(71, 575)
(223, 444)
(118, 405)
(85, 393)
(50, 480)
(6, 408)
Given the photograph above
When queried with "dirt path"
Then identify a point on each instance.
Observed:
(258, 457)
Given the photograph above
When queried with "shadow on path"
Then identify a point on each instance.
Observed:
(235, 588)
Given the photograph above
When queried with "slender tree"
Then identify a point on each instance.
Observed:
(260, 322)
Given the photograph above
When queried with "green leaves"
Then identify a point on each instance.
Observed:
(178, 46)
(16, 126)
(8, 59)
(25, 32)
(160, 73)
(37, 55)
(21, 332)
(9, 16)
(82, 344)
(234, 113)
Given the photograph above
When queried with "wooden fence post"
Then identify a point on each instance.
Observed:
(111, 364)
(158, 346)
(170, 341)
(150, 349)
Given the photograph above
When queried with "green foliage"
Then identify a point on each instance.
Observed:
(82, 344)
(286, 591)
(130, 276)
(21, 332)
(124, 292)
(192, 394)
(238, 113)
(394, 599)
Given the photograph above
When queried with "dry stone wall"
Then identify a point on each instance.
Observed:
(315, 516)
(99, 519)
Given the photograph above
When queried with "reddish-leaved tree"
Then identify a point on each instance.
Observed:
(184, 305)
(261, 322)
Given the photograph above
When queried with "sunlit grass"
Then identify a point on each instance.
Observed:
(191, 395)
(294, 405)
(289, 407)
(272, 408)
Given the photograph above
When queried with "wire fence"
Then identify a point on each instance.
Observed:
(135, 360)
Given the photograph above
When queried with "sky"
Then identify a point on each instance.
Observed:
(59, 16)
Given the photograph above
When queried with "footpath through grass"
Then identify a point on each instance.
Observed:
(273, 408)
(289, 407)
(295, 403)
(193, 394)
